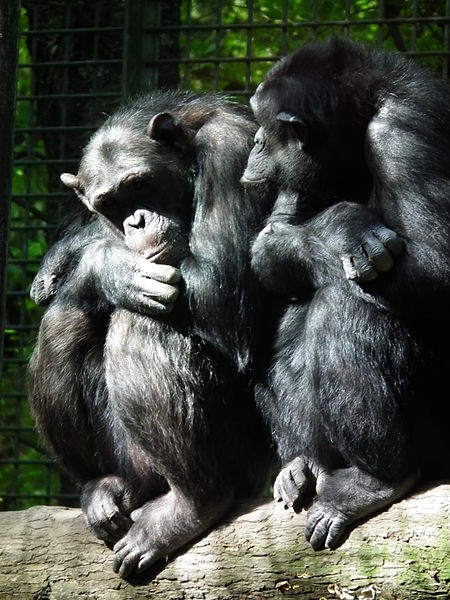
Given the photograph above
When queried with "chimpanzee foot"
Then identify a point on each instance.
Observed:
(162, 526)
(325, 525)
(292, 482)
(345, 496)
(136, 551)
(107, 503)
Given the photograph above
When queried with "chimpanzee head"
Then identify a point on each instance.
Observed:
(308, 117)
(139, 177)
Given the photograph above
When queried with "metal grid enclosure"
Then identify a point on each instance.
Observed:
(77, 61)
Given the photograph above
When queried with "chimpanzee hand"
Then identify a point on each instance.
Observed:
(127, 280)
(365, 246)
(375, 254)
(292, 483)
(108, 270)
(106, 504)
(346, 240)
(44, 287)
(116, 274)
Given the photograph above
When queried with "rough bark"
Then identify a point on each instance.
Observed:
(257, 552)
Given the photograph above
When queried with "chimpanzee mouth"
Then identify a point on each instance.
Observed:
(245, 179)
(156, 254)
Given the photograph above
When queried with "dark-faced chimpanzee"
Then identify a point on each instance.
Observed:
(153, 413)
(355, 393)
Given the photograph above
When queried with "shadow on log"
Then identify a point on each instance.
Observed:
(257, 552)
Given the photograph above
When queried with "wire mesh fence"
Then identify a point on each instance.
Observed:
(77, 62)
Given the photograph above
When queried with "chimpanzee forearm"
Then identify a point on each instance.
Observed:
(93, 265)
(109, 274)
(414, 201)
(345, 241)
(60, 260)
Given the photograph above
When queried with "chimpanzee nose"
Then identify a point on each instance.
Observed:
(136, 220)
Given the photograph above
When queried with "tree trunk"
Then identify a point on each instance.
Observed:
(257, 552)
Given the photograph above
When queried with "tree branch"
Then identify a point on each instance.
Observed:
(257, 552)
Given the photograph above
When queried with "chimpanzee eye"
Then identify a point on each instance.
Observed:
(107, 204)
(103, 203)
(136, 182)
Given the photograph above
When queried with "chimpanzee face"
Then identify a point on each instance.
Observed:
(139, 182)
(260, 165)
(278, 156)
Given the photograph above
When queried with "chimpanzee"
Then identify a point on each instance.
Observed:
(355, 391)
(152, 412)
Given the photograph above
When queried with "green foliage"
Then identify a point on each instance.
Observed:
(229, 58)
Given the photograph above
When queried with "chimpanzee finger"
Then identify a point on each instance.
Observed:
(377, 254)
(390, 240)
(298, 472)
(349, 267)
(268, 229)
(285, 488)
(148, 306)
(43, 288)
(107, 521)
(358, 267)
(277, 491)
(116, 524)
(136, 514)
(146, 561)
(126, 561)
(155, 271)
(155, 290)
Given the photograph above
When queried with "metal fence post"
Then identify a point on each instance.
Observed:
(9, 35)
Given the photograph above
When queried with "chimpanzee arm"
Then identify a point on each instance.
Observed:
(60, 260)
(108, 272)
(345, 241)
(407, 149)
(92, 265)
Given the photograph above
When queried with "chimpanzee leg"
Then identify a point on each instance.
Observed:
(164, 393)
(348, 380)
(68, 399)
(66, 390)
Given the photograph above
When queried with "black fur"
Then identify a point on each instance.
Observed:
(155, 414)
(356, 390)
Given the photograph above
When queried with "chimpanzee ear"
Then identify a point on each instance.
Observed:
(71, 181)
(298, 126)
(164, 128)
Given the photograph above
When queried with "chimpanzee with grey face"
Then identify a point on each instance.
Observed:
(148, 402)
(154, 414)
(354, 392)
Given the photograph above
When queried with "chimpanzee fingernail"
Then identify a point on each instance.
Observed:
(267, 229)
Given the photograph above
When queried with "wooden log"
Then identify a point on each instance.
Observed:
(257, 552)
